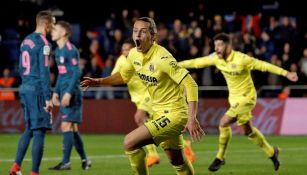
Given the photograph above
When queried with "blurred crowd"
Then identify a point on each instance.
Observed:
(269, 37)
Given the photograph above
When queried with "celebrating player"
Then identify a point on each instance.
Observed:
(236, 68)
(140, 97)
(161, 75)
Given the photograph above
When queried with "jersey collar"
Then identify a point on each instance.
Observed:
(150, 51)
(230, 57)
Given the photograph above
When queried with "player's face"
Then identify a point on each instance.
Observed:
(221, 49)
(56, 33)
(126, 48)
(142, 36)
(50, 26)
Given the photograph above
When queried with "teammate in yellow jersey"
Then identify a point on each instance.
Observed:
(140, 97)
(159, 71)
(236, 67)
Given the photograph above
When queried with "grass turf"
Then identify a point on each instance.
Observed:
(108, 158)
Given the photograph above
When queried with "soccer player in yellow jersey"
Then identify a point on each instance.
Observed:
(161, 75)
(236, 67)
(140, 97)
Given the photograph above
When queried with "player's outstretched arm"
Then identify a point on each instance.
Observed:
(197, 63)
(114, 79)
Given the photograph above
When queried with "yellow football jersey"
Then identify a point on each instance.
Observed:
(237, 71)
(161, 75)
(137, 89)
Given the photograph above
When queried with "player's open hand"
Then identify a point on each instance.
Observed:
(292, 76)
(49, 106)
(194, 128)
(89, 82)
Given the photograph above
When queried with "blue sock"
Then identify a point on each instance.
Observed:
(79, 145)
(23, 145)
(68, 141)
(37, 149)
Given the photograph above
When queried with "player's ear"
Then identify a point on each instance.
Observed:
(154, 37)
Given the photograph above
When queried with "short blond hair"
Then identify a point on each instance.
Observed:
(45, 15)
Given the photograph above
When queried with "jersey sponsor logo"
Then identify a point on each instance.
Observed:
(147, 78)
(62, 59)
(151, 67)
(46, 50)
(137, 63)
(233, 73)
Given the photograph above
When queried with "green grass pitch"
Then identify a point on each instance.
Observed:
(108, 158)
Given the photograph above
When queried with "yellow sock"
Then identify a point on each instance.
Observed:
(185, 169)
(224, 138)
(137, 160)
(257, 138)
(151, 148)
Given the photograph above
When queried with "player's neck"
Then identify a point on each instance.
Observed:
(40, 30)
(228, 52)
(226, 56)
(61, 42)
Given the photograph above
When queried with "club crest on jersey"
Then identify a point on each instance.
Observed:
(62, 59)
(151, 67)
(233, 66)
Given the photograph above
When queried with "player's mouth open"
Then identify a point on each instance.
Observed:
(138, 43)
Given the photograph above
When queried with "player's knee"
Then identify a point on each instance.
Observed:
(226, 121)
(223, 124)
(128, 144)
(66, 126)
